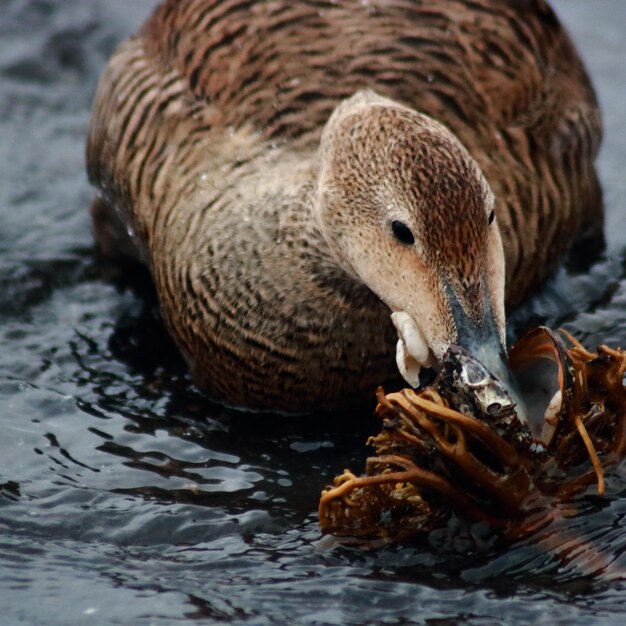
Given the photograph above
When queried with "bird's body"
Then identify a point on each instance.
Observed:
(205, 148)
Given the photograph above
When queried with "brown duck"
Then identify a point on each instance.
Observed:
(293, 172)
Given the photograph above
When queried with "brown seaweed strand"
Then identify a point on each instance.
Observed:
(577, 348)
(414, 476)
(508, 489)
(615, 382)
(502, 450)
(581, 358)
(575, 486)
(593, 455)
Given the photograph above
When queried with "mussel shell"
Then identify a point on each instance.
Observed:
(472, 389)
(541, 366)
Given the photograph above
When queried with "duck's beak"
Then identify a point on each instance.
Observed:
(484, 343)
(480, 337)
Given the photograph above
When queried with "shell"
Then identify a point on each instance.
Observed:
(542, 367)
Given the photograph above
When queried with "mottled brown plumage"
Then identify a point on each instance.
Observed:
(271, 254)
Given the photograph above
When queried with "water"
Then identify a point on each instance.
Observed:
(127, 498)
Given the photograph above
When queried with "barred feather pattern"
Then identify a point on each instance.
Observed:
(203, 148)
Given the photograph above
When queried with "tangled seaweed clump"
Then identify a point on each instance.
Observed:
(443, 452)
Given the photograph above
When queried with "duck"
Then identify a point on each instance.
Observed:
(330, 194)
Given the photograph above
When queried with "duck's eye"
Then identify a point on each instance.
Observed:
(402, 233)
(492, 216)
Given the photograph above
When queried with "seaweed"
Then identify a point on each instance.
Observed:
(432, 461)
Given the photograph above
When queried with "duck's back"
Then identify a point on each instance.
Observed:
(502, 74)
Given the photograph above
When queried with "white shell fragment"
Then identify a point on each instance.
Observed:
(408, 366)
(554, 406)
(412, 336)
(412, 351)
(551, 417)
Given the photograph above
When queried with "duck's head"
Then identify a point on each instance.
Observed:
(406, 210)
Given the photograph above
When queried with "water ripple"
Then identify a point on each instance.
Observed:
(126, 497)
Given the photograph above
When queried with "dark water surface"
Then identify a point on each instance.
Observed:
(127, 498)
